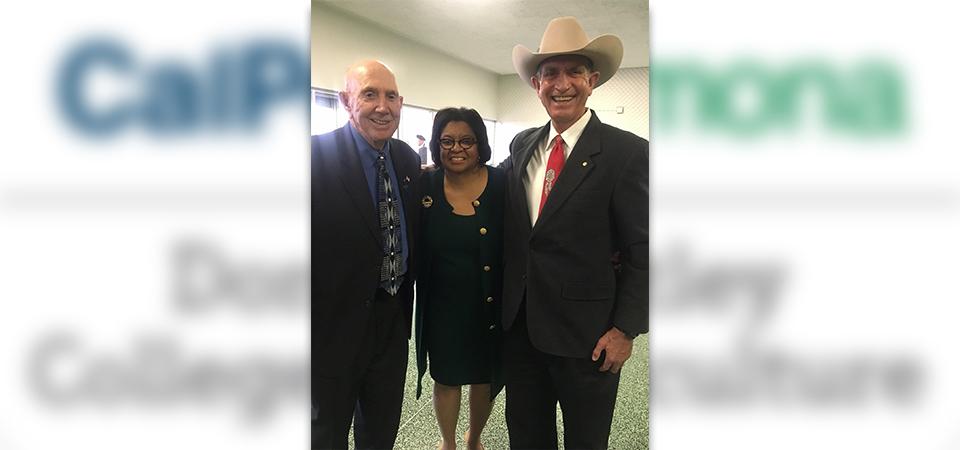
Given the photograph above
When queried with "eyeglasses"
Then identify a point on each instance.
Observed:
(465, 143)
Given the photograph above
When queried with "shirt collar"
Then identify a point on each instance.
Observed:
(362, 143)
(570, 135)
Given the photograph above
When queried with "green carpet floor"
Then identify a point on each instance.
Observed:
(418, 426)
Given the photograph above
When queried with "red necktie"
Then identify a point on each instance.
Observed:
(554, 166)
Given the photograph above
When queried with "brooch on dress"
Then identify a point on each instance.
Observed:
(426, 201)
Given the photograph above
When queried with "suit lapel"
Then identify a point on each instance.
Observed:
(355, 181)
(520, 162)
(406, 175)
(576, 168)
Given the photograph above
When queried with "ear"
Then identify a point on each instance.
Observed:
(594, 78)
(344, 99)
(400, 97)
(535, 81)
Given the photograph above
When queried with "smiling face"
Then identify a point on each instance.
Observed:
(372, 100)
(563, 84)
(455, 158)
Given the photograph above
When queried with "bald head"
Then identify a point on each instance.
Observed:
(371, 97)
(360, 69)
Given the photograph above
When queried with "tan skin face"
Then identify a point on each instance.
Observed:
(563, 84)
(459, 160)
(373, 102)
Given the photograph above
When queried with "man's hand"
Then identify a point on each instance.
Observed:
(618, 347)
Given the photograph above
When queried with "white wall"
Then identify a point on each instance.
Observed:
(426, 77)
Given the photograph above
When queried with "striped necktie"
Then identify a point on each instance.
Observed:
(390, 278)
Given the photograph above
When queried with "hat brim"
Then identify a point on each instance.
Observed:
(605, 51)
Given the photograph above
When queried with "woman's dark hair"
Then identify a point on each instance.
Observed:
(472, 118)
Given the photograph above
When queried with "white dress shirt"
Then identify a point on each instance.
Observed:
(537, 167)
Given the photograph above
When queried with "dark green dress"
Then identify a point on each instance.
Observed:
(459, 286)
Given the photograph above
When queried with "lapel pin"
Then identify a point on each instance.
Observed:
(427, 201)
(584, 164)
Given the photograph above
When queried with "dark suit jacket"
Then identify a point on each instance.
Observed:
(346, 246)
(562, 266)
(423, 155)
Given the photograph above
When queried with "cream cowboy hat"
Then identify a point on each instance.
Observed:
(565, 36)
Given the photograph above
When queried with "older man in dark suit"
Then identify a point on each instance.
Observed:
(577, 202)
(364, 216)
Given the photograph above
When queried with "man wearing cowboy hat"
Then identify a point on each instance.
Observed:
(577, 202)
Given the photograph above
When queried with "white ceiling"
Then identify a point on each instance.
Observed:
(483, 32)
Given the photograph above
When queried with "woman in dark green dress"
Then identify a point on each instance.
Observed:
(460, 279)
